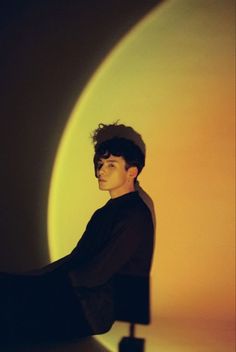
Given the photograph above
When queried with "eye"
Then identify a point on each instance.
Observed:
(111, 165)
(99, 165)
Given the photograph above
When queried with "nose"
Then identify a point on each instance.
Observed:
(100, 171)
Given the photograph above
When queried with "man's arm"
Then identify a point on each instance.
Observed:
(82, 252)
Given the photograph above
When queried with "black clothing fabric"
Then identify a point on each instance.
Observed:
(39, 309)
(118, 240)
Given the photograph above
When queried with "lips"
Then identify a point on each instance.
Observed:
(101, 180)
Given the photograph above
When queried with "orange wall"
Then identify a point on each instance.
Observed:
(172, 79)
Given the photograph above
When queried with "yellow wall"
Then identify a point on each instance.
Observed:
(172, 79)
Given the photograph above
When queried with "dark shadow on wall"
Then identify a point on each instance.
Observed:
(49, 49)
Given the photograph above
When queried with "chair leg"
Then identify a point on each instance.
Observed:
(131, 330)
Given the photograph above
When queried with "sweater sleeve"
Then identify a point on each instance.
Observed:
(124, 241)
(85, 249)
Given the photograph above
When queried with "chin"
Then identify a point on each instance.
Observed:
(102, 188)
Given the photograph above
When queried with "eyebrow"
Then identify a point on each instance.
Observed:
(108, 161)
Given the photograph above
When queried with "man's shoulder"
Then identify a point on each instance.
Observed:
(138, 204)
(136, 210)
(131, 207)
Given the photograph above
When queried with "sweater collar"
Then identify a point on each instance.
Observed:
(123, 198)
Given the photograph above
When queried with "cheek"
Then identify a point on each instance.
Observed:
(123, 177)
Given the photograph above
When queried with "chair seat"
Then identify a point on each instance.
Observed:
(132, 299)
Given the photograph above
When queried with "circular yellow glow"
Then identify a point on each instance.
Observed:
(171, 79)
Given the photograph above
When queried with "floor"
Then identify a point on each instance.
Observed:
(170, 335)
(89, 344)
(161, 336)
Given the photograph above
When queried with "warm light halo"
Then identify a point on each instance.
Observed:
(173, 82)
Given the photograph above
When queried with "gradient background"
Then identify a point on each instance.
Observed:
(171, 78)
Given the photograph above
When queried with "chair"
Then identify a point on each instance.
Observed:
(132, 305)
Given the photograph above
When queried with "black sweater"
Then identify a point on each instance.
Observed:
(118, 240)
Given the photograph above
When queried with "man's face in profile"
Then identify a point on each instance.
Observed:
(113, 175)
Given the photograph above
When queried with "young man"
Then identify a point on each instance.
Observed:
(74, 296)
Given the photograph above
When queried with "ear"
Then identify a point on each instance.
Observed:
(133, 171)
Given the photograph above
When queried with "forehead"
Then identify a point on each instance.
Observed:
(112, 158)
